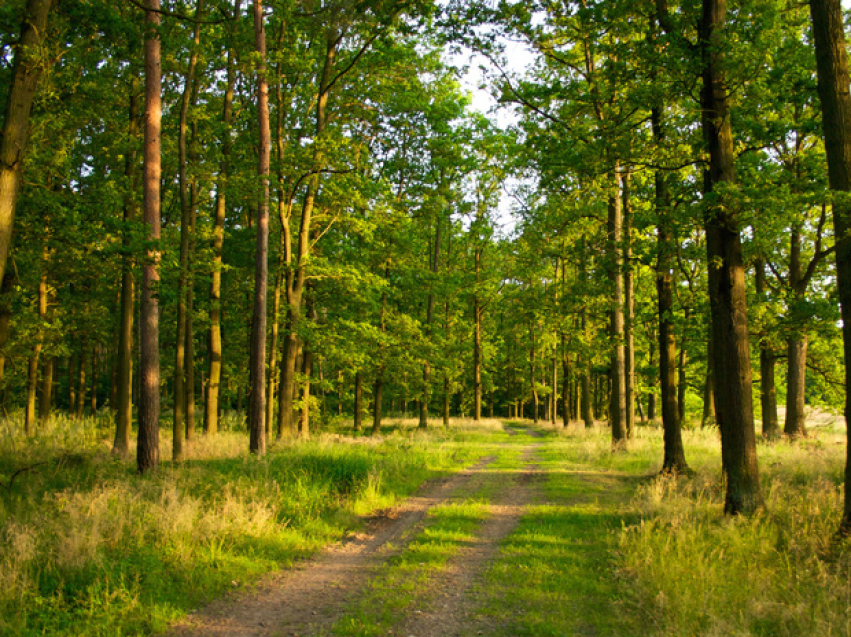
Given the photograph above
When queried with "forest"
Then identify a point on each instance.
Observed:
(270, 267)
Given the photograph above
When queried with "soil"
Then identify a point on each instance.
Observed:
(310, 598)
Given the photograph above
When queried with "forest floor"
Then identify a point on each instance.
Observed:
(443, 563)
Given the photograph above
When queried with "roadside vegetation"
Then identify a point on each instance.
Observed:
(90, 547)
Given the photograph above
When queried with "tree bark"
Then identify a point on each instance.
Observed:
(296, 275)
(214, 336)
(435, 266)
(796, 347)
(185, 222)
(674, 456)
(148, 443)
(727, 293)
(358, 400)
(767, 386)
(629, 307)
(26, 71)
(257, 409)
(124, 360)
(833, 81)
(614, 249)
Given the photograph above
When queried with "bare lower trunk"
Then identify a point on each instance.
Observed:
(148, 443)
(257, 411)
(727, 292)
(618, 407)
(45, 402)
(833, 80)
(796, 420)
(377, 397)
(214, 336)
(358, 400)
(674, 460)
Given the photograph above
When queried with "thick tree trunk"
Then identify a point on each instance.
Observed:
(832, 65)
(148, 443)
(26, 71)
(833, 81)
(708, 417)
(727, 293)
(45, 402)
(257, 410)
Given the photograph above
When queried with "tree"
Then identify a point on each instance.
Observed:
(26, 71)
(148, 446)
(833, 81)
(727, 294)
(257, 413)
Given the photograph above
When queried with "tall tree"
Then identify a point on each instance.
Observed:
(257, 413)
(148, 445)
(833, 81)
(727, 294)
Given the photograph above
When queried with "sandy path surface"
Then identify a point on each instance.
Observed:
(310, 598)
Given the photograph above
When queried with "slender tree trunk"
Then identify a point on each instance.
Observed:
(124, 359)
(629, 307)
(435, 266)
(358, 400)
(675, 459)
(477, 356)
(653, 339)
(32, 372)
(257, 410)
(682, 364)
(617, 409)
(796, 347)
(148, 445)
(533, 382)
(95, 379)
(214, 336)
(26, 71)
(708, 417)
(81, 382)
(727, 293)
(185, 222)
(768, 389)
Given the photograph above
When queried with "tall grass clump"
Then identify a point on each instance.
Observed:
(689, 570)
(89, 547)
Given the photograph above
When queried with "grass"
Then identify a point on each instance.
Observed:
(90, 548)
(87, 547)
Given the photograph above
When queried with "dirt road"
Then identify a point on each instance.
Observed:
(310, 599)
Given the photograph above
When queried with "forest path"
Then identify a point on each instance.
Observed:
(374, 583)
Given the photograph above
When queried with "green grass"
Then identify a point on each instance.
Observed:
(88, 547)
